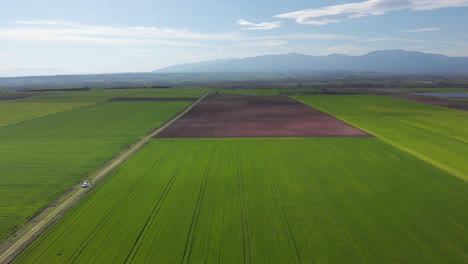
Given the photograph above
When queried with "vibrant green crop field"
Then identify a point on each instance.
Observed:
(45, 103)
(12, 112)
(327, 200)
(435, 134)
(172, 92)
(42, 157)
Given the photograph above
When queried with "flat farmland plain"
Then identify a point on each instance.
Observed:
(437, 135)
(314, 200)
(42, 157)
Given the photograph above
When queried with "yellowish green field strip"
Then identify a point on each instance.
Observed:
(16, 111)
(172, 92)
(45, 103)
(323, 200)
(435, 134)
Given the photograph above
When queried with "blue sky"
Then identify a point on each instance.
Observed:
(46, 37)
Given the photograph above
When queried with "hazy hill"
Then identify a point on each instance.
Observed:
(386, 61)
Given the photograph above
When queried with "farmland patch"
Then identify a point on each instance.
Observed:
(437, 101)
(17, 111)
(257, 116)
(435, 134)
(152, 99)
(14, 96)
(265, 201)
(42, 157)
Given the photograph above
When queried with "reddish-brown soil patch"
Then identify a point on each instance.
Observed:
(152, 99)
(257, 116)
(7, 97)
(460, 105)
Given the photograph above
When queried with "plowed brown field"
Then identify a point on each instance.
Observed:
(460, 105)
(257, 116)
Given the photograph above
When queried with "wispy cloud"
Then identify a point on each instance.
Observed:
(307, 36)
(407, 40)
(348, 49)
(436, 4)
(45, 23)
(265, 43)
(422, 30)
(143, 56)
(64, 31)
(58, 30)
(337, 13)
(260, 26)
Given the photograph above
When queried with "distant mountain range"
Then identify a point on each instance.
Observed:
(385, 61)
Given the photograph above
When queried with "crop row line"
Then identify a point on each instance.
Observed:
(196, 215)
(245, 224)
(284, 219)
(154, 212)
(48, 217)
(339, 227)
(220, 245)
(419, 126)
(112, 212)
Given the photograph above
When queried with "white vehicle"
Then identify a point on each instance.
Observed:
(84, 185)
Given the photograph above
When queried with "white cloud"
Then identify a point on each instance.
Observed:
(348, 49)
(437, 4)
(301, 36)
(422, 30)
(62, 31)
(337, 13)
(45, 23)
(143, 56)
(31, 35)
(265, 43)
(260, 26)
(405, 40)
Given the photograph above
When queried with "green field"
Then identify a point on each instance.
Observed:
(173, 92)
(42, 157)
(45, 103)
(323, 200)
(435, 134)
(13, 112)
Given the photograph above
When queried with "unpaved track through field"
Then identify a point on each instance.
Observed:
(39, 224)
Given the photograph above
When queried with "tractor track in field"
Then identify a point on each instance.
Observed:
(245, 223)
(284, 219)
(23, 237)
(196, 214)
(154, 213)
(110, 213)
